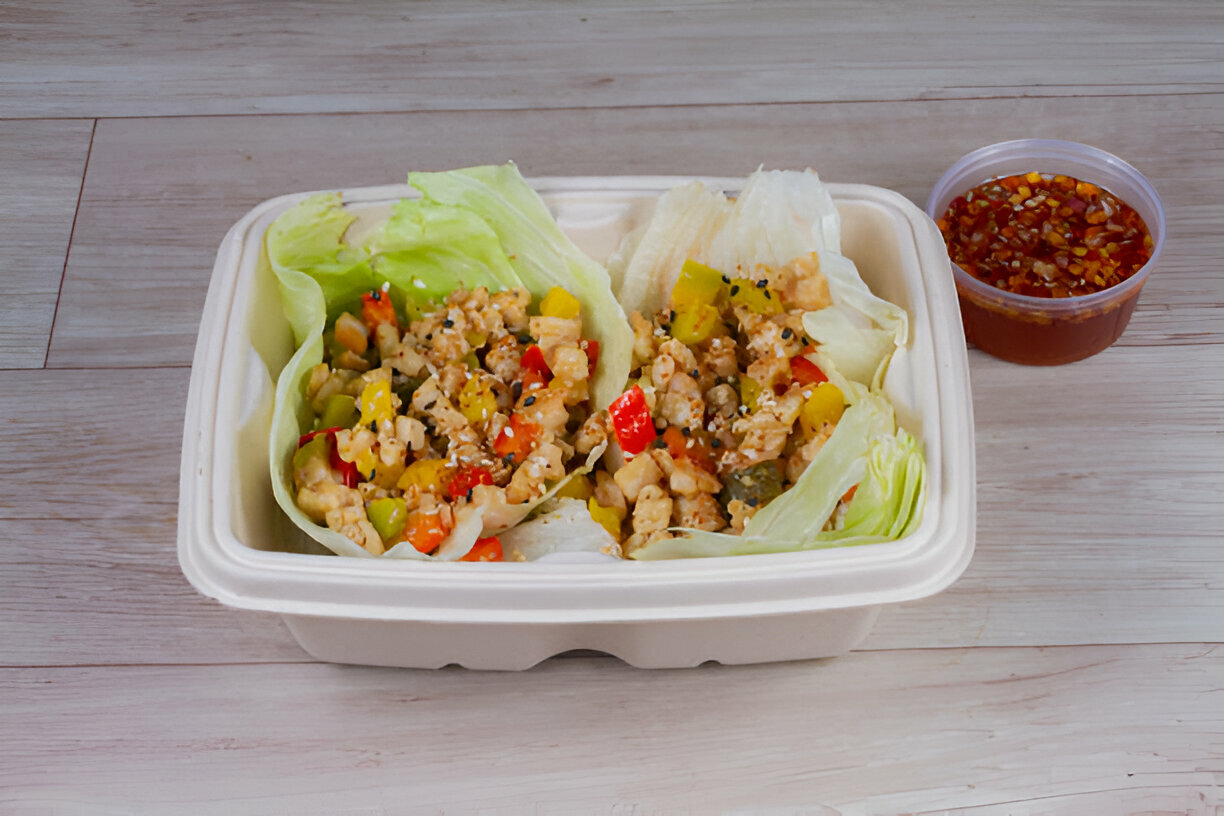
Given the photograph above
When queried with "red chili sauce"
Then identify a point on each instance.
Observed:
(1048, 237)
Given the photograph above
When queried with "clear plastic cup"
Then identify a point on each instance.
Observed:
(1048, 331)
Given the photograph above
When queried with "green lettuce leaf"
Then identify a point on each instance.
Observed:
(315, 268)
(865, 449)
(543, 257)
(427, 250)
(492, 230)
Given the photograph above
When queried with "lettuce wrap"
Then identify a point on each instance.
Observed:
(478, 227)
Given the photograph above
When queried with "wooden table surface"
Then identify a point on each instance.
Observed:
(1075, 668)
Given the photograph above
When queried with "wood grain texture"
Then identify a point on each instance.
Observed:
(1074, 670)
(170, 59)
(869, 733)
(41, 165)
(161, 193)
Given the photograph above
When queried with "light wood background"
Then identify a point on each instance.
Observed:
(1074, 669)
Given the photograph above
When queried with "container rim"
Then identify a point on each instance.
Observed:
(974, 168)
(238, 575)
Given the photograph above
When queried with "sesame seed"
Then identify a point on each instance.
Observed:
(529, 401)
(448, 323)
(762, 283)
(735, 290)
(418, 283)
(787, 333)
(715, 443)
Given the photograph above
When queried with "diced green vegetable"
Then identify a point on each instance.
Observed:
(340, 411)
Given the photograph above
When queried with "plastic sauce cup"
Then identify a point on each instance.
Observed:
(1037, 330)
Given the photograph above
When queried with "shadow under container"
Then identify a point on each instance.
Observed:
(1048, 331)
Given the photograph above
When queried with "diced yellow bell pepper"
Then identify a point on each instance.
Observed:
(367, 462)
(428, 475)
(758, 299)
(476, 339)
(375, 402)
(609, 518)
(698, 285)
(476, 401)
(826, 404)
(750, 392)
(579, 487)
(694, 322)
(560, 303)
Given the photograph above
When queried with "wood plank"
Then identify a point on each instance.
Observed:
(884, 732)
(122, 599)
(161, 193)
(239, 58)
(1098, 520)
(41, 165)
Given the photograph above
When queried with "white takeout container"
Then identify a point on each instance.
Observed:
(236, 545)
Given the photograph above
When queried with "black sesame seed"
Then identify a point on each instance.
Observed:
(735, 290)
(762, 283)
(753, 502)
(376, 295)
(429, 336)
(695, 374)
(429, 406)
(671, 316)
(373, 473)
(659, 443)
(469, 494)
(508, 458)
(767, 295)
(787, 333)
(726, 279)
(529, 401)
(715, 443)
(803, 340)
(373, 426)
(448, 323)
(686, 431)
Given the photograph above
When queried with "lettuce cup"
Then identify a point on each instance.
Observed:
(469, 385)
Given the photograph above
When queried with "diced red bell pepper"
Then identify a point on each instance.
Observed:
(517, 439)
(376, 308)
(348, 471)
(693, 447)
(805, 372)
(467, 478)
(306, 437)
(485, 549)
(535, 371)
(591, 349)
(631, 420)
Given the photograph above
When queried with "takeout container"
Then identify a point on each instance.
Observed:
(236, 545)
(1048, 331)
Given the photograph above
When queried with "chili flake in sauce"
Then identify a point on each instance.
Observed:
(1045, 236)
